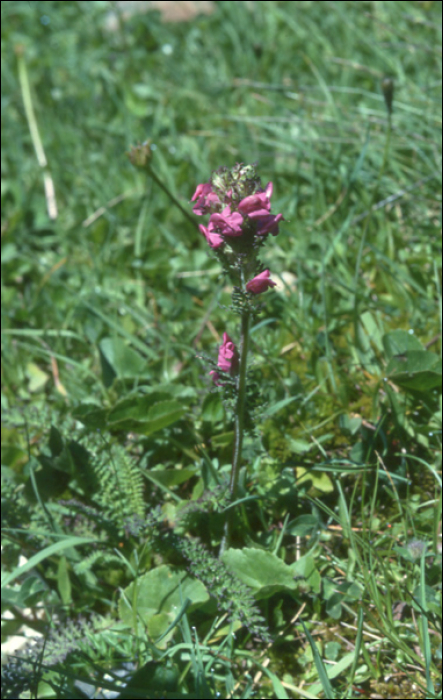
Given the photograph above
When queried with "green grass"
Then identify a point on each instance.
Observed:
(116, 449)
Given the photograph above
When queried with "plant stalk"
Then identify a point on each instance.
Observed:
(48, 183)
(171, 196)
(238, 425)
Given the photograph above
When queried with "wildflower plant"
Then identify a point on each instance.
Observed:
(240, 222)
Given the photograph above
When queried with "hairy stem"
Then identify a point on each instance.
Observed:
(238, 424)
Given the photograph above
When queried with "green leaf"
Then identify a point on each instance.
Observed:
(123, 360)
(306, 568)
(419, 370)
(137, 413)
(212, 409)
(321, 670)
(303, 525)
(64, 543)
(398, 342)
(156, 597)
(64, 581)
(171, 477)
(298, 446)
(372, 325)
(350, 424)
(133, 408)
(223, 440)
(334, 671)
(36, 376)
(161, 415)
(263, 571)
(153, 677)
(279, 405)
(91, 415)
(319, 480)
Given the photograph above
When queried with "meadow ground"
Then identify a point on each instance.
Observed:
(116, 446)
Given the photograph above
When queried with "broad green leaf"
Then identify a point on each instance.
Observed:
(398, 342)
(350, 423)
(37, 378)
(91, 415)
(161, 415)
(153, 677)
(125, 361)
(303, 525)
(419, 370)
(132, 408)
(141, 416)
(263, 571)
(298, 446)
(212, 409)
(172, 477)
(320, 480)
(156, 597)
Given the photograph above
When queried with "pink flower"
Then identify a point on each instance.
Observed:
(215, 377)
(258, 204)
(214, 239)
(227, 360)
(268, 224)
(201, 191)
(226, 223)
(205, 197)
(227, 355)
(260, 283)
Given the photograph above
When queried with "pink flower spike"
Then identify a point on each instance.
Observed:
(268, 224)
(255, 205)
(201, 191)
(260, 283)
(227, 355)
(205, 199)
(214, 240)
(226, 223)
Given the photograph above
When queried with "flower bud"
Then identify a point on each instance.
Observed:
(387, 86)
(260, 283)
(140, 155)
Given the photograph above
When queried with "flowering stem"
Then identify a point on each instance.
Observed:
(240, 407)
(168, 192)
(238, 424)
